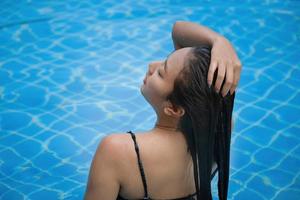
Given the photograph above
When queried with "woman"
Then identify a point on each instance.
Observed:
(174, 160)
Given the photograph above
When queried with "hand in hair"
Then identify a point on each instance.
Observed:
(223, 55)
(225, 59)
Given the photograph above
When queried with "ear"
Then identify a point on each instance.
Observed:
(175, 111)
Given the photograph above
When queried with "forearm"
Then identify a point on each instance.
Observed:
(188, 34)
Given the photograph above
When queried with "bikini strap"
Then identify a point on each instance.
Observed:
(140, 164)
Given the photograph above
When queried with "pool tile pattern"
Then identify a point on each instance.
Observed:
(71, 71)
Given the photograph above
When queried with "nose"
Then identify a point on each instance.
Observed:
(150, 69)
(152, 66)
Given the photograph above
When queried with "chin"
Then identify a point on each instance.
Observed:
(142, 90)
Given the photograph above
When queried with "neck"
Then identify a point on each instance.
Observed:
(163, 127)
(166, 124)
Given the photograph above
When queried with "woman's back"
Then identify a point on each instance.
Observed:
(167, 166)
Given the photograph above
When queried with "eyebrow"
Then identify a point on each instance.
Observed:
(165, 64)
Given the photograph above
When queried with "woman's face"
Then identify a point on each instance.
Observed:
(159, 80)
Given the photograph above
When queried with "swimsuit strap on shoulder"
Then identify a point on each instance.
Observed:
(140, 165)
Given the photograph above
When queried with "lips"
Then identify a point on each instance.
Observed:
(145, 79)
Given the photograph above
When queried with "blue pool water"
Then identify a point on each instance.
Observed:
(70, 74)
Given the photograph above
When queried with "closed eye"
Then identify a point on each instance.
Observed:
(159, 73)
(163, 64)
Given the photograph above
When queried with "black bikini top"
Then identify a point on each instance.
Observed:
(146, 196)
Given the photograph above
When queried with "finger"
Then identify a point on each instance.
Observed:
(233, 87)
(236, 80)
(211, 71)
(229, 80)
(220, 77)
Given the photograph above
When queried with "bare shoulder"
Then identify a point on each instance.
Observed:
(115, 144)
(119, 149)
(119, 146)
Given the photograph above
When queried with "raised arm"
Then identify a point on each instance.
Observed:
(223, 55)
(188, 34)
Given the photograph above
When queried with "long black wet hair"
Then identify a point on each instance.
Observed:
(206, 124)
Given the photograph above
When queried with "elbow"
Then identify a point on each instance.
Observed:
(176, 33)
(176, 25)
(178, 22)
(179, 27)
